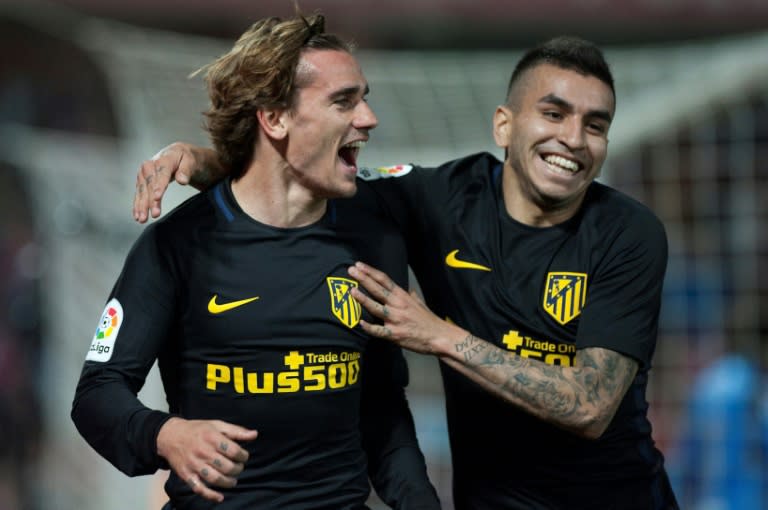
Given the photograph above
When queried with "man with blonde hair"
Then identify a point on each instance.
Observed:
(544, 290)
(241, 295)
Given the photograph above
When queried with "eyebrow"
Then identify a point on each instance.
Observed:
(349, 91)
(565, 105)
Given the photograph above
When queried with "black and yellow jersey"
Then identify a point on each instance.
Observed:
(255, 325)
(543, 293)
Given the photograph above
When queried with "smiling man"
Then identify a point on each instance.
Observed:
(544, 291)
(551, 286)
(242, 296)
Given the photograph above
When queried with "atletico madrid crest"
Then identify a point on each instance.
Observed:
(343, 305)
(564, 295)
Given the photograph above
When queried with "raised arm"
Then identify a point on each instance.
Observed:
(183, 162)
(581, 399)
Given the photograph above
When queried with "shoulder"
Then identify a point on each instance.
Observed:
(622, 225)
(177, 227)
(475, 164)
(606, 206)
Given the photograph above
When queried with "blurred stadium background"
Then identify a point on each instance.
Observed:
(88, 89)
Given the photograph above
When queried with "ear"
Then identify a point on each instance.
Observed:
(272, 122)
(502, 125)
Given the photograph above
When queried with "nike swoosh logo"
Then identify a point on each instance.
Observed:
(452, 261)
(216, 308)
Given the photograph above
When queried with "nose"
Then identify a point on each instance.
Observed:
(364, 117)
(572, 133)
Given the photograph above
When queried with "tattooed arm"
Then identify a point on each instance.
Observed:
(581, 399)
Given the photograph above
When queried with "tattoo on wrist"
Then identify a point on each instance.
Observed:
(470, 347)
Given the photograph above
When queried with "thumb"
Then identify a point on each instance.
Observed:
(236, 432)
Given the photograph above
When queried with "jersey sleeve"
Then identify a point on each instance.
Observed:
(128, 339)
(624, 296)
(401, 192)
(396, 465)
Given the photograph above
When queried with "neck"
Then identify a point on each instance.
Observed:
(267, 193)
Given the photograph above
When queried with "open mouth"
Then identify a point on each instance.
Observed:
(349, 152)
(561, 165)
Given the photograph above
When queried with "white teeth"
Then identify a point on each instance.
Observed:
(359, 144)
(561, 163)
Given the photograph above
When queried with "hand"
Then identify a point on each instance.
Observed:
(176, 161)
(204, 453)
(406, 320)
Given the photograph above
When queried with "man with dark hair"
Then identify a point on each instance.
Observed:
(242, 296)
(544, 291)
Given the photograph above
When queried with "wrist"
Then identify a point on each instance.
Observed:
(164, 434)
(446, 345)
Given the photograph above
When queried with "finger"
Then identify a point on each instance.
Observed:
(213, 476)
(157, 186)
(379, 277)
(232, 451)
(236, 432)
(142, 197)
(366, 279)
(160, 179)
(227, 467)
(201, 489)
(139, 213)
(169, 160)
(376, 309)
(184, 172)
(377, 330)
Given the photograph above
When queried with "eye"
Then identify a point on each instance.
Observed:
(597, 128)
(344, 103)
(553, 114)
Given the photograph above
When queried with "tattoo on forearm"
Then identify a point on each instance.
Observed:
(470, 347)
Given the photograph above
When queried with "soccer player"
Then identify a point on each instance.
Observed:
(544, 291)
(242, 296)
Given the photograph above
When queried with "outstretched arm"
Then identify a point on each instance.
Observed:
(581, 399)
(186, 163)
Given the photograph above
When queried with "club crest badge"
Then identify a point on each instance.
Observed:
(343, 305)
(564, 295)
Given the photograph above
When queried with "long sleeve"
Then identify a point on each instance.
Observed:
(129, 338)
(396, 465)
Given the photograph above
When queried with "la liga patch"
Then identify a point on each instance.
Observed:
(383, 172)
(103, 343)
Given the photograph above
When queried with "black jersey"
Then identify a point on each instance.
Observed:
(592, 281)
(255, 325)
